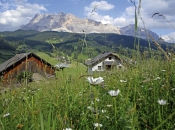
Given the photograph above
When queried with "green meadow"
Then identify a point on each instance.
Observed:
(145, 100)
(139, 96)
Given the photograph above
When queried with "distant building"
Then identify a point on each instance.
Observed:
(103, 61)
(29, 62)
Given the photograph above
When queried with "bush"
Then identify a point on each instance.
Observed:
(24, 75)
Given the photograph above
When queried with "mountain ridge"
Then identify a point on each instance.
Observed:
(62, 22)
(68, 23)
(141, 32)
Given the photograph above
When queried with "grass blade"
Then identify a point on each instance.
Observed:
(41, 121)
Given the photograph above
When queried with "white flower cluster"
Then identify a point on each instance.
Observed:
(68, 129)
(96, 125)
(162, 102)
(114, 93)
(7, 114)
(94, 81)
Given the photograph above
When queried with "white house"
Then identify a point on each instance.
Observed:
(104, 61)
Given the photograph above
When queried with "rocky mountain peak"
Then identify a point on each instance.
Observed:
(68, 23)
(141, 32)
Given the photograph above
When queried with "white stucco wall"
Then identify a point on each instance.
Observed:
(95, 67)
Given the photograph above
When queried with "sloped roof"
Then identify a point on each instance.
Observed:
(17, 58)
(100, 57)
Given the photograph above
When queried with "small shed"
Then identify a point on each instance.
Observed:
(103, 61)
(29, 62)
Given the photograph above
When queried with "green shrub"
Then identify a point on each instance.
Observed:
(24, 75)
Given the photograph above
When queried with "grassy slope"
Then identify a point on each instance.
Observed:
(47, 58)
(71, 102)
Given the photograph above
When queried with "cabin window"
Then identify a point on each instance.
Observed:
(110, 58)
(99, 68)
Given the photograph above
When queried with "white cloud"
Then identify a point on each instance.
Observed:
(102, 5)
(5, 6)
(16, 13)
(163, 7)
(170, 37)
(148, 8)
(93, 12)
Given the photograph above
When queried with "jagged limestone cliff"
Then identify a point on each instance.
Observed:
(68, 23)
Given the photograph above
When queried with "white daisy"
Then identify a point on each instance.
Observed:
(94, 81)
(7, 114)
(97, 125)
(68, 129)
(114, 93)
(162, 102)
(123, 81)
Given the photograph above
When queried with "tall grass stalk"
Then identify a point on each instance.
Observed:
(115, 111)
(159, 47)
(41, 121)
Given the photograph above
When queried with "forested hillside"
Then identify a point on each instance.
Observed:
(75, 46)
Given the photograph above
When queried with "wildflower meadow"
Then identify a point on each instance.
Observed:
(137, 97)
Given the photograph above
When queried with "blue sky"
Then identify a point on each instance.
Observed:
(15, 13)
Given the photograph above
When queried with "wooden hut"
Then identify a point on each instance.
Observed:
(28, 62)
